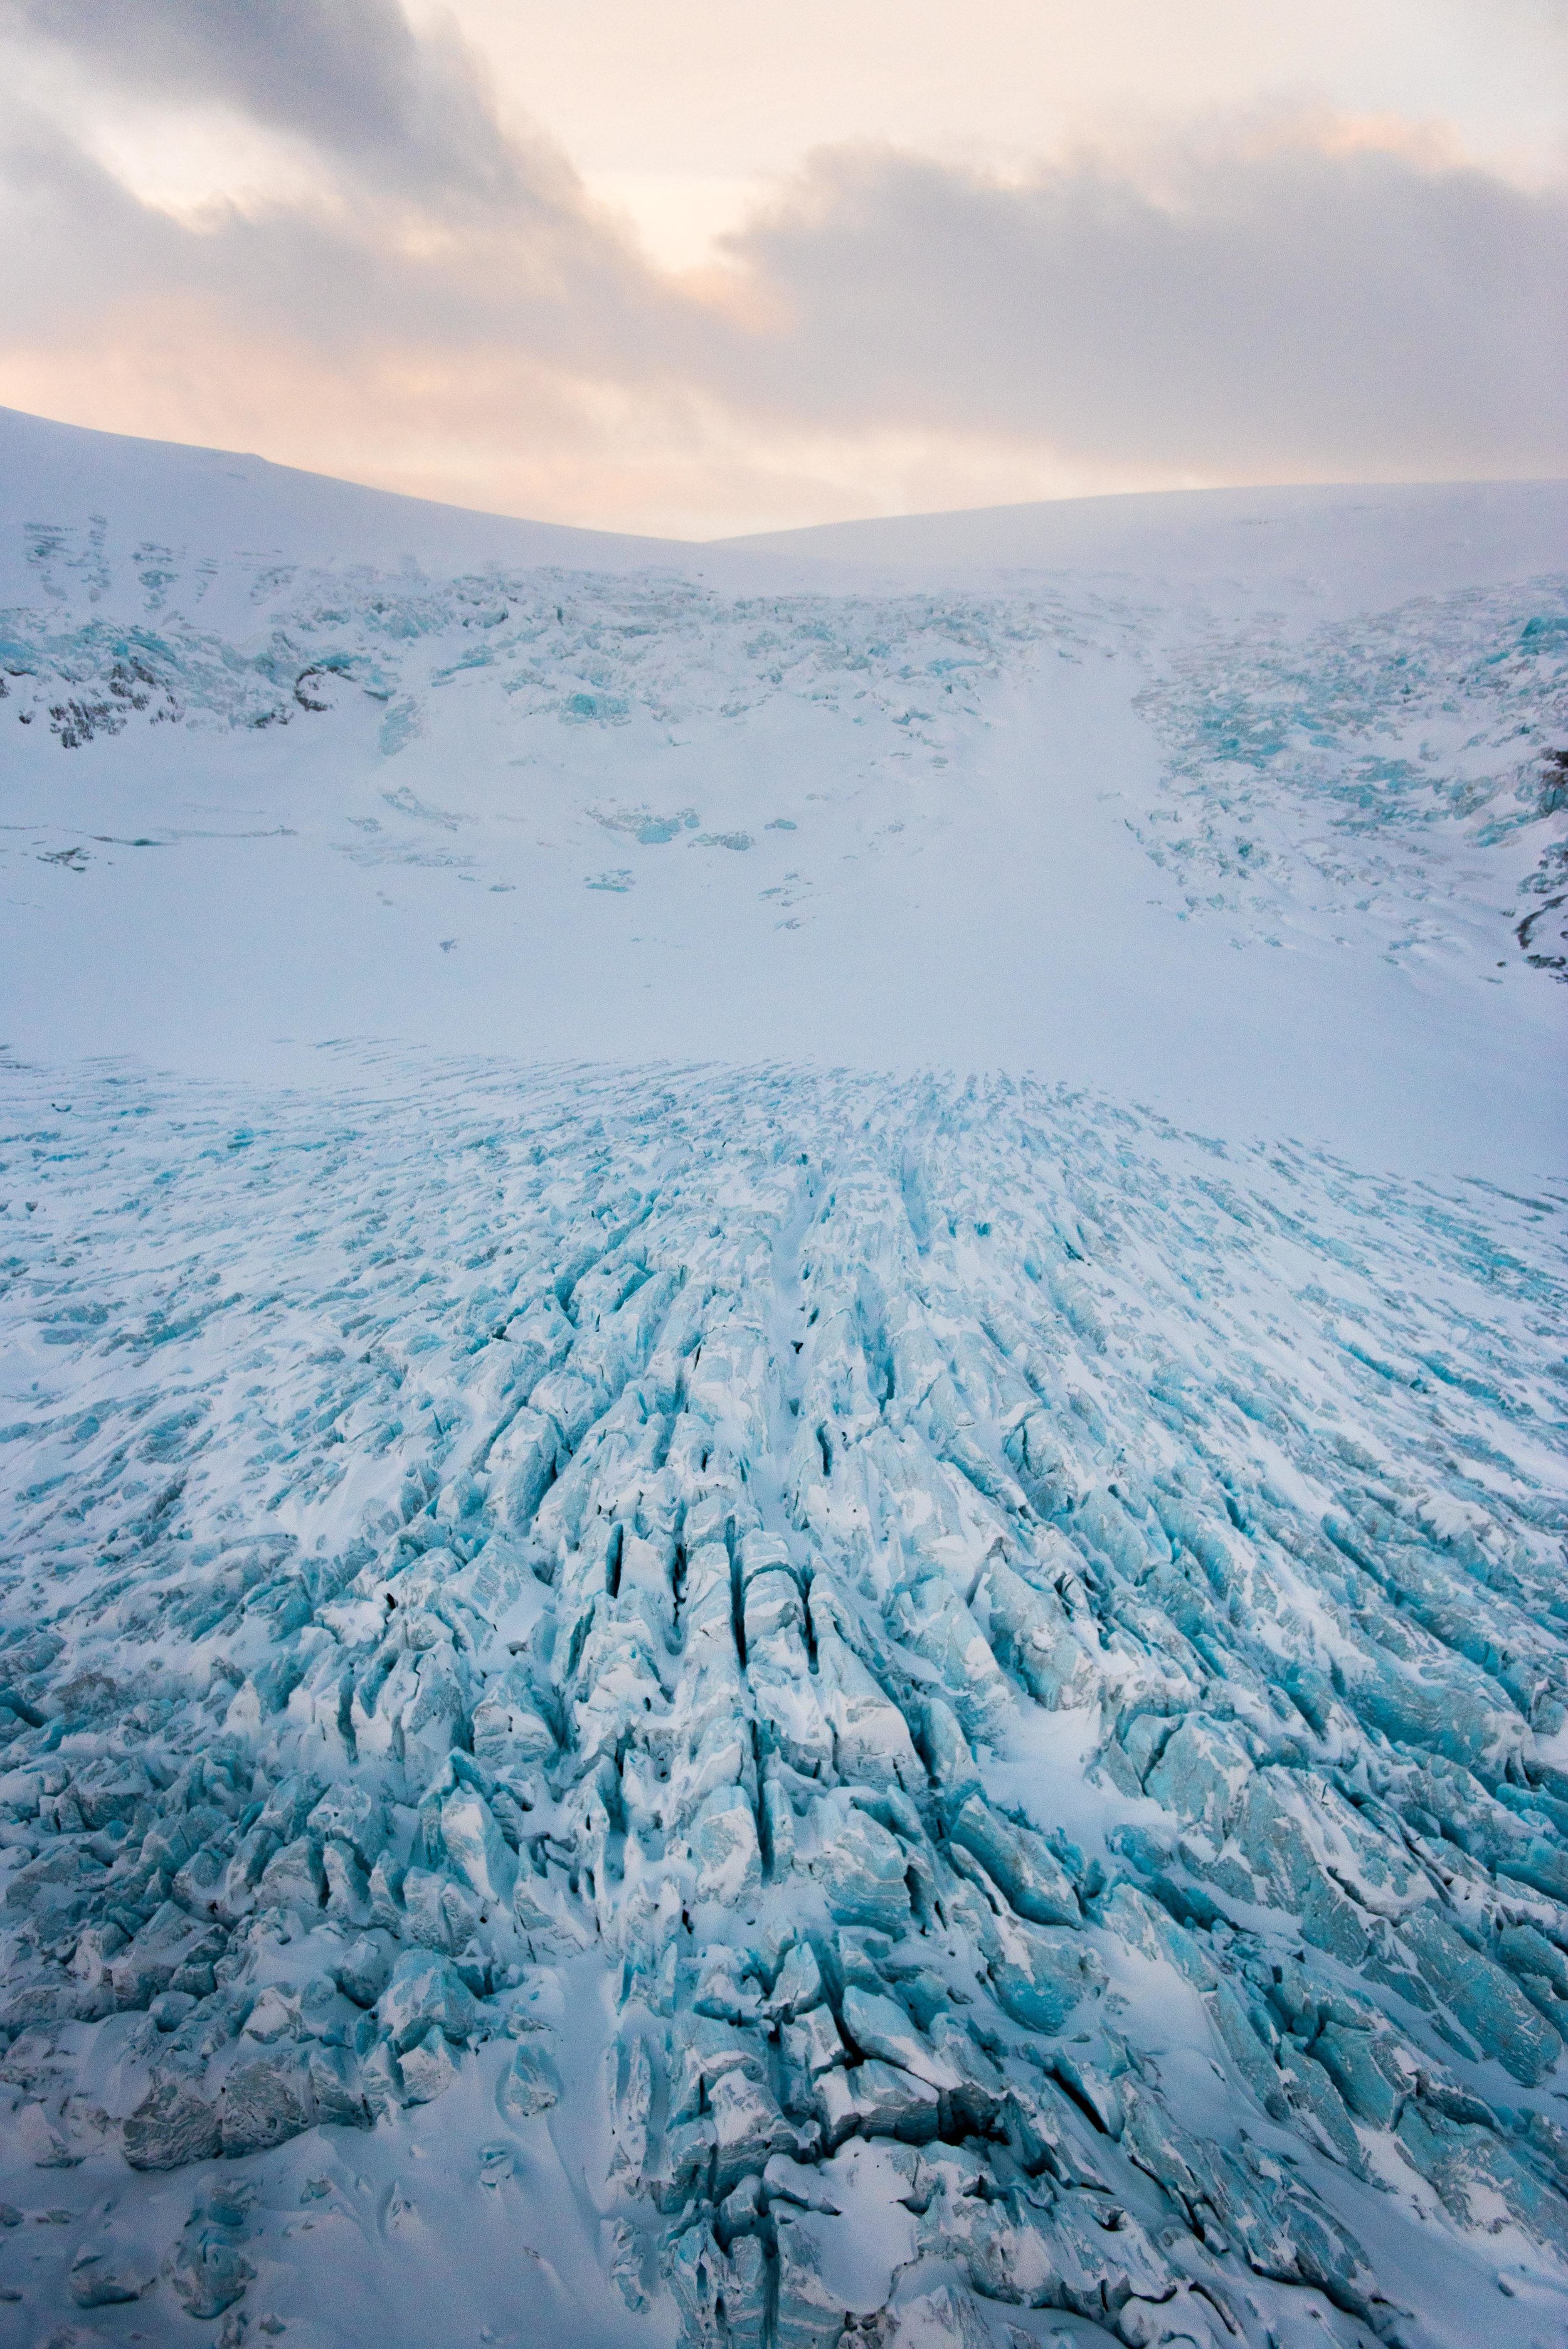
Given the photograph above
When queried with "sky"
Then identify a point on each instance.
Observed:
(711, 267)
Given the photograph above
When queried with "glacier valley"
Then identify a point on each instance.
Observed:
(671, 1673)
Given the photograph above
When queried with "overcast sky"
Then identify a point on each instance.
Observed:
(706, 267)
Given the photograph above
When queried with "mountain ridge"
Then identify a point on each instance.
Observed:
(1514, 526)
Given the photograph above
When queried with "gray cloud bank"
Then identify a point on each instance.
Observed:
(1273, 304)
(1283, 306)
(349, 76)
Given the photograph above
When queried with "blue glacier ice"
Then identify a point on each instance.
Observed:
(626, 1609)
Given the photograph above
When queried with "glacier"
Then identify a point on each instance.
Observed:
(788, 1697)
(297, 763)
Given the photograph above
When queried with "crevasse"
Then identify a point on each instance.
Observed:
(942, 1700)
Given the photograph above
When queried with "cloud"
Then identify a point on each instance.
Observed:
(1284, 303)
(351, 77)
(449, 311)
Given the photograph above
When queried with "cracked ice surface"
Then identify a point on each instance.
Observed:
(765, 1707)
(1341, 769)
(1337, 771)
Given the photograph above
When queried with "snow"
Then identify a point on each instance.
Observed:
(670, 1671)
(744, 805)
(1340, 550)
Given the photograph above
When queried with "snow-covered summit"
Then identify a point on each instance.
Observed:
(124, 505)
(1361, 546)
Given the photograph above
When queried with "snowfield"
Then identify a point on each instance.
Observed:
(1246, 805)
(670, 1672)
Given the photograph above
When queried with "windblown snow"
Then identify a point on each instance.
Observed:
(688, 1696)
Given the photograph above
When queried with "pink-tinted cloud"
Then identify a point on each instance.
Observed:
(447, 309)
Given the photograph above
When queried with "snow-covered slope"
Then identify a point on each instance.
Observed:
(131, 507)
(726, 1701)
(1349, 550)
(740, 804)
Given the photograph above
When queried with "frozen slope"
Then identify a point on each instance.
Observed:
(1352, 549)
(1273, 851)
(664, 1679)
(129, 507)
